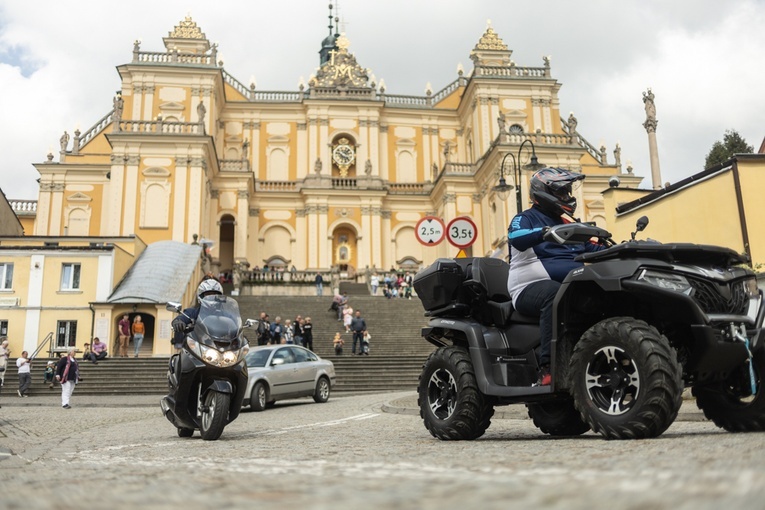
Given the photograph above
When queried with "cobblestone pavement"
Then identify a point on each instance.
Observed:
(363, 451)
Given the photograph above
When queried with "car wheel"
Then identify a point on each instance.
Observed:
(731, 404)
(451, 405)
(321, 394)
(625, 379)
(259, 397)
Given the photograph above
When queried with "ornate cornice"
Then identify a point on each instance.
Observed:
(52, 186)
(490, 41)
(187, 29)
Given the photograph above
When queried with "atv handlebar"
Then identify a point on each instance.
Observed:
(577, 233)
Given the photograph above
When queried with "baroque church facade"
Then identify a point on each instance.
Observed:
(334, 175)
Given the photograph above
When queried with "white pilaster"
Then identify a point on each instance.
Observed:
(34, 302)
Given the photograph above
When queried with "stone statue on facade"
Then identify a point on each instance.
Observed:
(447, 150)
(64, 141)
(317, 166)
(501, 121)
(201, 111)
(572, 123)
(368, 167)
(618, 155)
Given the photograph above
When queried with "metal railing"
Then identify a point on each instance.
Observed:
(48, 340)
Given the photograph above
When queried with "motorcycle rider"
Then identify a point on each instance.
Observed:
(537, 267)
(209, 286)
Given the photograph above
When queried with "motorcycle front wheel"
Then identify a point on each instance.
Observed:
(214, 415)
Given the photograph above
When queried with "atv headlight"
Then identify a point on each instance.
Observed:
(750, 287)
(668, 281)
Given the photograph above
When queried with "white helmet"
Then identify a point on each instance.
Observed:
(208, 287)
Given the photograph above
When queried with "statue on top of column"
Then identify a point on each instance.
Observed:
(650, 107)
(571, 123)
(201, 111)
(317, 166)
(501, 123)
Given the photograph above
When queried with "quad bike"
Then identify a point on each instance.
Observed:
(633, 327)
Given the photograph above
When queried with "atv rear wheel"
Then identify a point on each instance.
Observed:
(451, 405)
(557, 418)
(625, 379)
(731, 404)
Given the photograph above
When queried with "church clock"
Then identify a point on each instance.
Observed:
(344, 154)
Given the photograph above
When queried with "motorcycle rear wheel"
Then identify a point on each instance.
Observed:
(214, 418)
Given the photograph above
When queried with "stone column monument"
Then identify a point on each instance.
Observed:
(650, 127)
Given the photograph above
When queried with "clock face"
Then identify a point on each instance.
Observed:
(343, 155)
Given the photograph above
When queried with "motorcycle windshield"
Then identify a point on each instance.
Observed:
(218, 321)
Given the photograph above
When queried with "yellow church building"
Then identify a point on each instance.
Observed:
(334, 175)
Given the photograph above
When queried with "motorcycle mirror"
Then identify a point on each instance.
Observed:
(173, 307)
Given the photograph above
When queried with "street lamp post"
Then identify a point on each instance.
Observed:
(503, 188)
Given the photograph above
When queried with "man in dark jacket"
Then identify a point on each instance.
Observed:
(358, 327)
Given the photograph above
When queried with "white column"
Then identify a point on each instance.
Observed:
(179, 199)
(43, 210)
(303, 162)
(57, 204)
(384, 163)
(34, 303)
(131, 196)
(242, 220)
(324, 149)
(115, 201)
(374, 146)
(325, 245)
(426, 155)
(193, 206)
(313, 143)
(148, 103)
(105, 277)
(485, 125)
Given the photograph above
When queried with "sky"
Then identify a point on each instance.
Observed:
(701, 58)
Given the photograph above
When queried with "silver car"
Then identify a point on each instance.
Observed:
(278, 372)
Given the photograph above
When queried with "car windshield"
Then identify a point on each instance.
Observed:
(218, 320)
(257, 357)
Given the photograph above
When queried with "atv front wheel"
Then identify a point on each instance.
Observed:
(451, 405)
(731, 404)
(557, 418)
(625, 379)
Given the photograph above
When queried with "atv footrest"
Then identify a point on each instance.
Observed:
(514, 371)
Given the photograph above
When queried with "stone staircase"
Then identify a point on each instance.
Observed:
(397, 351)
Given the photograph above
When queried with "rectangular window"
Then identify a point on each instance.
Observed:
(3, 328)
(67, 334)
(70, 276)
(6, 276)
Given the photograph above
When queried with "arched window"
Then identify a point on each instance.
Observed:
(277, 165)
(515, 129)
(79, 223)
(155, 206)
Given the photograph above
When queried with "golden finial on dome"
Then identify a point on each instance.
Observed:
(187, 29)
(490, 40)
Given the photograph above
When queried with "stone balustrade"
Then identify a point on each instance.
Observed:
(276, 186)
(234, 165)
(161, 127)
(173, 57)
(24, 207)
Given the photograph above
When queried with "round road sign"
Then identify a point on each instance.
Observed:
(461, 232)
(430, 230)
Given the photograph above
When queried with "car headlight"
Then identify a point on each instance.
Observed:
(668, 281)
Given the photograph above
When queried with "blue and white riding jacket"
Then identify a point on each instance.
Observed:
(532, 259)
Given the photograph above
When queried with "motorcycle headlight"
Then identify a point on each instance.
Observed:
(214, 357)
(750, 287)
(668, 281)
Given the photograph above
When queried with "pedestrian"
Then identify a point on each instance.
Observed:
(99, 349)
(287, 337)
(68, 374)
(276, 331)
(297, 330)
(375, 283)
(347, 317)
(308, 334)
(359, 327)
(124, 332)
(50, 373)
(264, 329)
(409, 281)
(87, 354)
(4, 354)
(365, 340)
(338, 343)
(24, 364)
(138, 330)
(319, 280)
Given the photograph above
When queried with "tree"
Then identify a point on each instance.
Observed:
(732, 144)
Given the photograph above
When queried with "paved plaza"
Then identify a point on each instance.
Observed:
(362, 451)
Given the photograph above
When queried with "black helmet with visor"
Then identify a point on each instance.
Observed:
(552, 190)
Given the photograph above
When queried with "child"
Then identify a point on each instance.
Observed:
(49, 373)
(365, 343)
(338, 343)
(288, 335)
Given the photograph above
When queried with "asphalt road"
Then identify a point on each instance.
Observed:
(357, 452)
